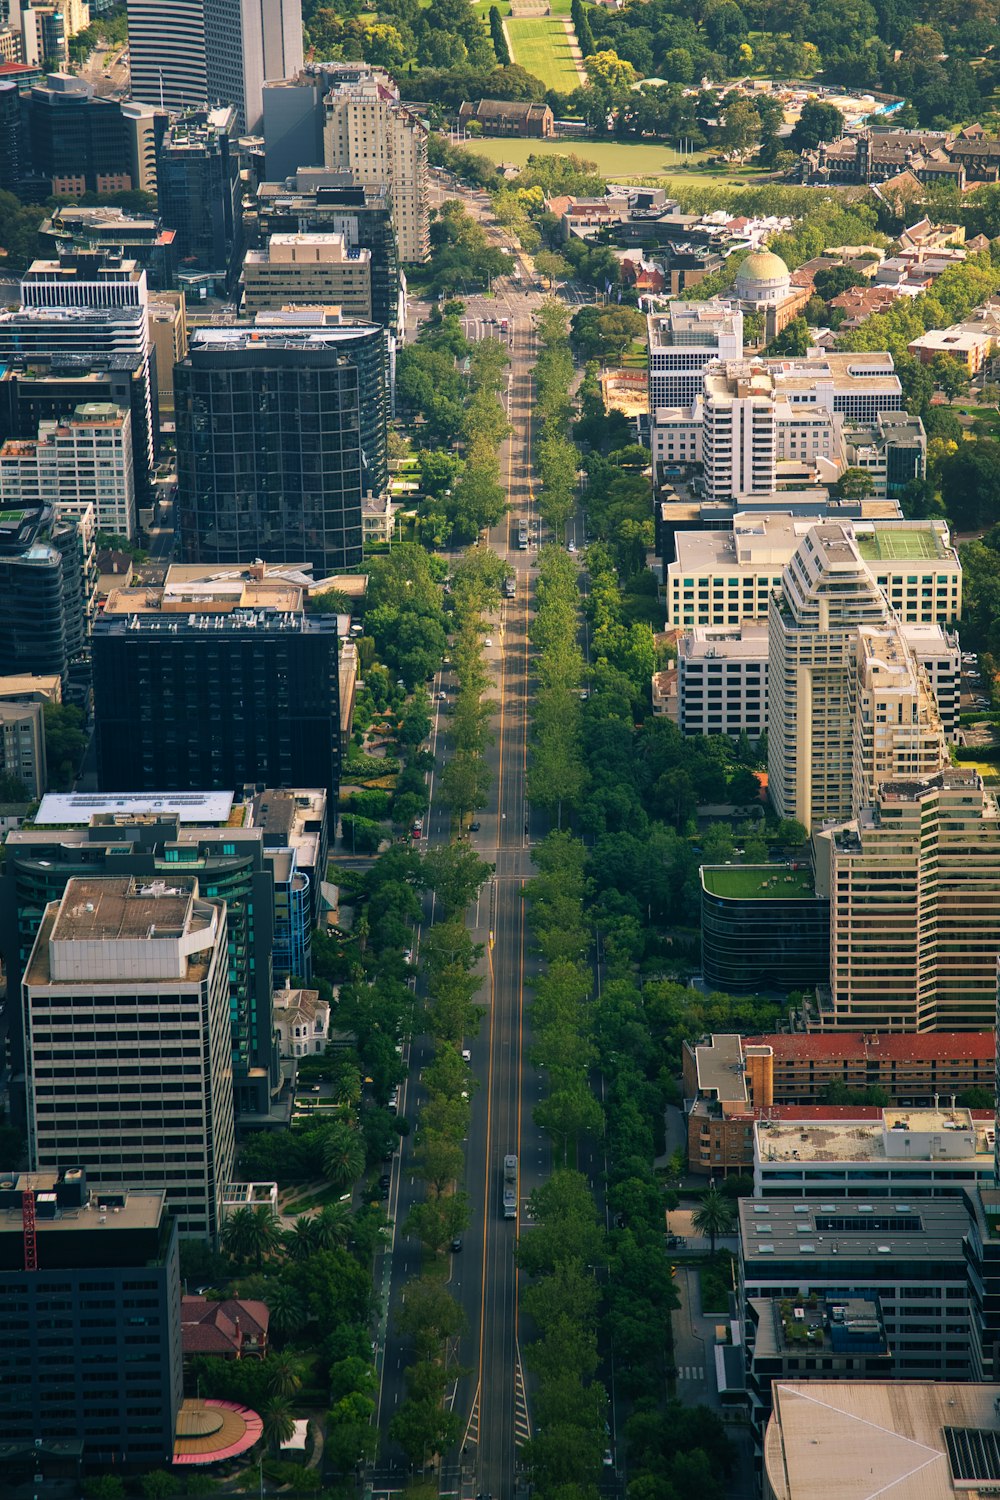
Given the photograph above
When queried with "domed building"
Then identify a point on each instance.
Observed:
(762, 281)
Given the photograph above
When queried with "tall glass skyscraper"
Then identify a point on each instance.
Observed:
(281, 434)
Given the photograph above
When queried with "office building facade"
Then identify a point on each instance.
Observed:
(683, 340)
(248, 43)
(200, 194)
(92, 1331)
(166, 46)
(194, 691)
(762, 928)
(281, 434)
(229, 864)
(127, 1042)
(22, 745)
(311, 269)
(43, 591)
(84, 461)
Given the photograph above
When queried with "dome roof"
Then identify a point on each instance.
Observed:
(762, 265)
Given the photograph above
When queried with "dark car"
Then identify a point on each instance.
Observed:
(383, 1185)
(475, 826)
(456, 1244)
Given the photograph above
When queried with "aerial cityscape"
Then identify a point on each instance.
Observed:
(500, 729)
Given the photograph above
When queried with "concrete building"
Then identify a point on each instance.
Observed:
(168, 334)
(913, 1440)
(247, 44)
(369, 133)
(153, 838)
(317, 201)
(37, 387)
(892, 450)
(295, 819)
(969, 345)
(70, 230)
(215, 683)
(84, 461)
(281, 434)
(812, 1338)
(910, 1255)
(682, 340)
(92, 1340)
(897, 731)
(78, 142)
(724, 577)
(914, 908)
(827, 594)
(762, 281)
(22, 745)
(147, 965)
(898, 1154)
(308, 269)
(31, 688)
(718, 1088)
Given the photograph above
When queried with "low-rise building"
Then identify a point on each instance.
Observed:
(898, 1154)
(763, 927)
(970, 346)
(378, 520)
(302, 1021)
(911, 1255)
(234, 1328)
(722, 680)
(509, 117)
(892, 450)
(309, 270)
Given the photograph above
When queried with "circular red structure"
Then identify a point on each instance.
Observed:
(209, 1431)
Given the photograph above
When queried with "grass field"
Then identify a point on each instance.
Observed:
(542, 46)
(613, 158)
(753, 882)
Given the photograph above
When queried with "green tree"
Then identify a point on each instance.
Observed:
(714, 1215)
(854, 484)
(159, 1485)
(465, 784)
(456, 874)
(284, 1375)
(817, 122)
(437, 1221)
(104, 1487)
(498, 38)
(278, 1423)
(251, 1233)
(65, 742)
(343, 1151)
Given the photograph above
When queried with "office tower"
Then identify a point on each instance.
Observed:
(281, 434)
(897, 728)
(166, 46)
(22, 745)
(892, 450)
(135, 237)
(214, 684)
(168, 333)
(12, 144)
(683, 340)
(84, 460)
(92, 1321)
(316, 201)
(42, 592)
(43, 34)
(77, 141)
(826, 593)
(296, 818)
(308, 270)
(154, 838)
(199, 193)
(369, 133)
(248, 43)
(914, 908)
(126, 1013)
(41, 387)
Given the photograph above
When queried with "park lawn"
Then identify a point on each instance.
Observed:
(616, 159)
(542, 47)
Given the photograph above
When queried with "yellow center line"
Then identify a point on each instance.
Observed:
(486, 1172)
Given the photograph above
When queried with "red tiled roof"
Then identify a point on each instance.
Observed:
(945, 1046)
(209, 1327)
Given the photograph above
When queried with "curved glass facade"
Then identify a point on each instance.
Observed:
(773, 942)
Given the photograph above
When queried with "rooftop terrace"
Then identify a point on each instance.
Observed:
(759, 882)
(900, 544)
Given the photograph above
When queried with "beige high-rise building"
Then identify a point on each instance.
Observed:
(168, 334)
(368, 132)
(914, 908)
(827, 593)
(80, 462)
(311, 270)
(127, 1041)
(897, 728)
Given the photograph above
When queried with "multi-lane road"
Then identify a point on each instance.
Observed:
(489, 1393)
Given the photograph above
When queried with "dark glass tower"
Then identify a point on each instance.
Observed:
(42, 591)
(281, 434)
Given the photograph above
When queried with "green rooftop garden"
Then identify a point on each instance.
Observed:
(763, 882)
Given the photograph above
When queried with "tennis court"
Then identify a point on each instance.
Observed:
(889, 544)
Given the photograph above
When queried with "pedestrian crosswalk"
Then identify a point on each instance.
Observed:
(691, 1372)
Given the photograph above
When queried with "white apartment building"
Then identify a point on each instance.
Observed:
(897, 731)
(723, 577)
(826, 594)
(310, 269)
(127, 1040)
(914, 909)
(719, 684)
(368, 132)
(81, 461)
(767, 422)
(722, 680)
(683, 339)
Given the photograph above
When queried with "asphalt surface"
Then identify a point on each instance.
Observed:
(488, 1392)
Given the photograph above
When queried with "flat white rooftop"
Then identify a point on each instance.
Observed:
(900, 1135)
(187, 807)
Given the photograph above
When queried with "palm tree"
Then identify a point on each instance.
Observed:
(343, 1154)
(278, 1423)
(300, 1241)
(250, 1233)
(332, 1226)
(287, 1307)
(715, 1215)
(284, 1375)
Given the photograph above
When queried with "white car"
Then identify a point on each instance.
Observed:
(488, 641)
(466, 1055)
(571, 547)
